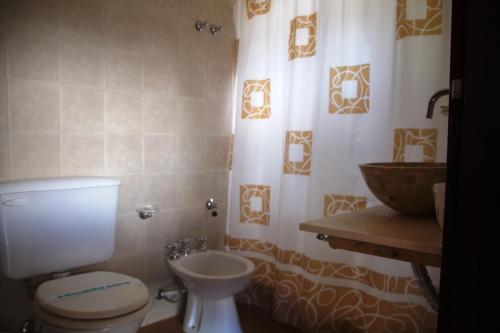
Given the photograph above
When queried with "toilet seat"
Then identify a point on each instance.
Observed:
(92, 300)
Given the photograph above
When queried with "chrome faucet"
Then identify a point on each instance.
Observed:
(184, 250)
(173, 251)
(202, 244)
(432, 101)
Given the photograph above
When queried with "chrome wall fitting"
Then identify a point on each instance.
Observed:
(171, 296)
(215, 29)
(425, 283)
(202, 244)
(173, 251)
(322, 237)
(30, 326)
(184, 249)
(200, 25)
(211, 204)
(146, 211)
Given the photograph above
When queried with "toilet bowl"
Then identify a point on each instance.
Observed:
(91, 303)
(212, 278)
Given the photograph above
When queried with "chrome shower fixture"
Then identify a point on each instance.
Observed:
(215, 29)
(201, 25)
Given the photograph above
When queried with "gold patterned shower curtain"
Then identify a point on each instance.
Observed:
(321, 87)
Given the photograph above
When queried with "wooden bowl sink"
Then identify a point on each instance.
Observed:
(405, 187)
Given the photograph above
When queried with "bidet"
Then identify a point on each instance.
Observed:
(211, 279)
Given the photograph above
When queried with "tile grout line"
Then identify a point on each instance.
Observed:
(104, 87)
(59, 63)
(143, 86)
(9, 112)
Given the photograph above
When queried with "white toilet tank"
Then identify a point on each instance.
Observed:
(50, 225)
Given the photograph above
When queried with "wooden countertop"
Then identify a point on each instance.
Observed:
(384, 232)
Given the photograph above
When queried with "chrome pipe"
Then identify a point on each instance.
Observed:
(432, 101)
(425, 283)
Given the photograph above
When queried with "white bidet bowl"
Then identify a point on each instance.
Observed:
(212, 278)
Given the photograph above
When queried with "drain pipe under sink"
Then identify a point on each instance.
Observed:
(424, 282)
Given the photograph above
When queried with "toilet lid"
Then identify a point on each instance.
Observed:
(95, 295)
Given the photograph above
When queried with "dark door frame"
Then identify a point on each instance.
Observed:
(475, 35)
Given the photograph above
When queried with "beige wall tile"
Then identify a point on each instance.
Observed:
(123, 29)
(124, 70)
(156, 267)
(160, 75)
(123, 111)
(191, 153)
(36, 59)
(216, 242)
(190, 189)
(161, 230)
(221, 11)
(130, 235)
(82, 17)
(191, 42)
(130, 197)
(33, 40)
(218, 148)
(216, 225)
(160, 113)
(222, 50)
(160, 35)
(191, 222)
(34, 105)
(3, 43)
(192, 77)
(82, 108)
(159, 190)
(34, 11)
(35, 155)
(83, 154)
(193, 10)
(5, 157)
(133, 6)
(131, 265)
(221, 80)
(4, 106)
(164, 8)
(124, 153)
(191, 116)
(82, 61)
(219, 116)
(217, 183)
(159, 153)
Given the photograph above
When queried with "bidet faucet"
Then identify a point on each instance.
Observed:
(173, 251)
(184, 250)
(202, 244)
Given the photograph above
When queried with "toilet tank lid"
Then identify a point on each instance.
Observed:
(53, 184)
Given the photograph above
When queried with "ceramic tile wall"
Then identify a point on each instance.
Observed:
(121, 88)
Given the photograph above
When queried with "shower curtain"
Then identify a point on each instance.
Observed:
(321, 87)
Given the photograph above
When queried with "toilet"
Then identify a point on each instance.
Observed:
(54, 225)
